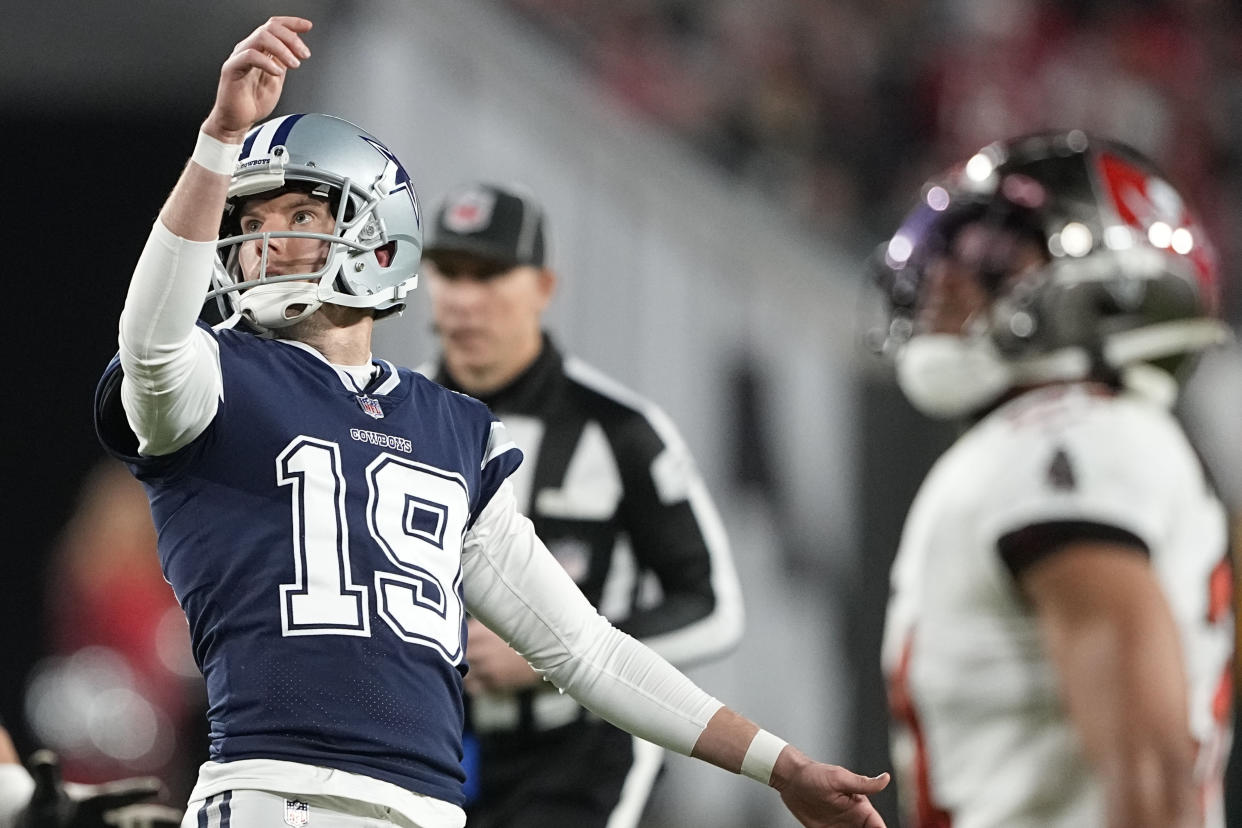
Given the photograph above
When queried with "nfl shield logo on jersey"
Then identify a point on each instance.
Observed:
(297, 813)
(371, 406)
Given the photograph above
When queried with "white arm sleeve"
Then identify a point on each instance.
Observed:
(172, 383)
(515, 587)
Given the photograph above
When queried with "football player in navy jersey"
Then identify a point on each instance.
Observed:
(327, 519)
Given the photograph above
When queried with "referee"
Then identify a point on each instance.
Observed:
(613, 492)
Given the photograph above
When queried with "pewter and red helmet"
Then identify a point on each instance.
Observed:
(1130, 279)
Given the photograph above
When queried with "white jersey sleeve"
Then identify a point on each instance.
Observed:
(1106, 462)
(515, 587)
(172, 382)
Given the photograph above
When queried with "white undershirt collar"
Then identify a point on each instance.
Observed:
(354, 377)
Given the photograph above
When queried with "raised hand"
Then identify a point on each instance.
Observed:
(253, 76)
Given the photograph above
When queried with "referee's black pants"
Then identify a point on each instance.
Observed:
(567, 777)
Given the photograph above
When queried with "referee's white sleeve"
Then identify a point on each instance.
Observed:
(172, 383)
(514, 586)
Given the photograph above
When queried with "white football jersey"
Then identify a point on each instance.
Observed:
(980, 738)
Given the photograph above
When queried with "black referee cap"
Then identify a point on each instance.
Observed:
(500, 223)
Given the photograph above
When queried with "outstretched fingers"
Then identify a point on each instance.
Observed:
(286, 28)
(274, 47)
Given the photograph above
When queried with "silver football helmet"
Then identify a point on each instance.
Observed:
(375, 248)
(1129, 288)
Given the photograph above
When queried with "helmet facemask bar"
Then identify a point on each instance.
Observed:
(361, 247)
(368, 249)
(343, 243)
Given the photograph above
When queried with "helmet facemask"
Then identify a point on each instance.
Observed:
(373, 250)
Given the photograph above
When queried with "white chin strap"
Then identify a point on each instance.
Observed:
(946, 376)
(279, 305)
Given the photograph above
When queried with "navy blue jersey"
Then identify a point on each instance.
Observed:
(312, 535)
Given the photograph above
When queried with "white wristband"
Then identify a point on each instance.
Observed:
(761, 756)
(16, 786)
(215, 155)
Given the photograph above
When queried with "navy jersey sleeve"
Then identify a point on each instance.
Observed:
(115, 435)
(501, 457)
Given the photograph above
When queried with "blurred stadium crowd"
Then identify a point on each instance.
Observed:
(838, 110)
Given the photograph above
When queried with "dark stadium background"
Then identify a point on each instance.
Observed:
(79, 241)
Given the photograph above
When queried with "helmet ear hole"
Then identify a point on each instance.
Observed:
(384, 254)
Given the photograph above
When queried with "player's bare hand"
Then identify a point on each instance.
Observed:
(494, 665)
(253, 77)
(826, 796)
